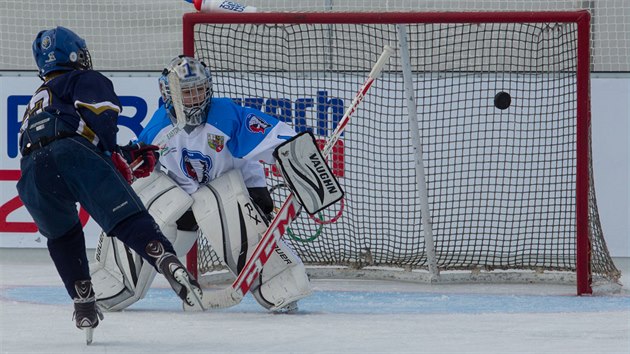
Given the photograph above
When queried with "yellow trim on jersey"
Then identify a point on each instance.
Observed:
(87, 133)
(97, 108)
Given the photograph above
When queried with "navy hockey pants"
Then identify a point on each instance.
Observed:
(57, 176)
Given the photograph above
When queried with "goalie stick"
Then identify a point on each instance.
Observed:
(288, 212)
(176, 99)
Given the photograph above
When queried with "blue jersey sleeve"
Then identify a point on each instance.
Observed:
(253, 134)
(158, 121)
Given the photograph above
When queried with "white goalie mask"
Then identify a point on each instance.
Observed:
(196, 89)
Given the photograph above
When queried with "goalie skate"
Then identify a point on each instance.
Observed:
(289, 308)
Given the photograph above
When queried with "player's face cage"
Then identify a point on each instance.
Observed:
(196, 99)
(195, 81)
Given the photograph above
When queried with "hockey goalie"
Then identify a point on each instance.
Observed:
(213, 184)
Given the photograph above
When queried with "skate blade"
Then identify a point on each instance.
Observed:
(193, 294)
(89, 334)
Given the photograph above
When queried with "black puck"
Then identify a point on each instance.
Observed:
(502, 100)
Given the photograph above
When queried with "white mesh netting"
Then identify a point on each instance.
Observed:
(136, 35)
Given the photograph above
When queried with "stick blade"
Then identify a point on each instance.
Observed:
(218, 299)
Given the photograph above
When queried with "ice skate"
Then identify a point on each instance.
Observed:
(86, 313)
(182, 282)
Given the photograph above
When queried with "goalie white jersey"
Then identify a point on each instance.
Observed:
(233, 137)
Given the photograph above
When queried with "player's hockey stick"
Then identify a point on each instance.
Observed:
(287, 213)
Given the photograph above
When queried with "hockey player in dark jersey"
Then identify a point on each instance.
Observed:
(69, 156)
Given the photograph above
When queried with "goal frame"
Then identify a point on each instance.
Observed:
(581, 18)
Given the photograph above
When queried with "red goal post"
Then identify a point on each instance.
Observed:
(254, 67)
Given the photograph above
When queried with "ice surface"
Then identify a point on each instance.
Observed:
(340, 317)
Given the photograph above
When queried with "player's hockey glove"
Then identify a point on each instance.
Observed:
(142, 155)
(122, 166)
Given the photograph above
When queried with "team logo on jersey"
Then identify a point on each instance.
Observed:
(256, 124)
(216, 142)
(196, 166)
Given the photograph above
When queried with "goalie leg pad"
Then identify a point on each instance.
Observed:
(228, 219)
(184, 241)
(165, 200)
(283, 279)
(120, 276)
(233, 226)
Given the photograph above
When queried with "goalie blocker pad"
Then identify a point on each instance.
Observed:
(307, 174)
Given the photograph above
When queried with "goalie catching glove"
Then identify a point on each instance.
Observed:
(307, 174)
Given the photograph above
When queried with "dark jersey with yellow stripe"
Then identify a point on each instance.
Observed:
(85, 99)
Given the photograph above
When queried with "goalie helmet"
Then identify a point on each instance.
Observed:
(60, 49)
(196, 89)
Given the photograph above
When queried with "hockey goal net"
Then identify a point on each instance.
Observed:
(439, 175)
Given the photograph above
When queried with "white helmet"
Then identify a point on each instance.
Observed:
(196, 86)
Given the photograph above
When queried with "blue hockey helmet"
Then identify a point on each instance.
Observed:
(195, 82)
(60, 49)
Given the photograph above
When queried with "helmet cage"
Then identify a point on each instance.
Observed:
(196, 89)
